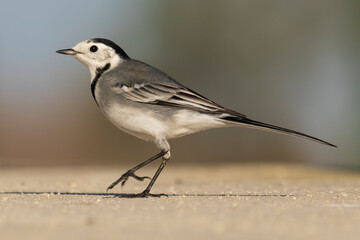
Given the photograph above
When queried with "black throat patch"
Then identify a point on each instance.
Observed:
(99, 72)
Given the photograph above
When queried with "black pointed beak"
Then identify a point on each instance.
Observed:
(68, 51)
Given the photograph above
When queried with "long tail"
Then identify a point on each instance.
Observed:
(267, 127)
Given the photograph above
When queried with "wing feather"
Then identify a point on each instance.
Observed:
(170, 95)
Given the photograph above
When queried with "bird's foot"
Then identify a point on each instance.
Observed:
(144, 194)
(123, 179)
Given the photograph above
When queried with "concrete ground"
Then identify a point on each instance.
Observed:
(205, 202)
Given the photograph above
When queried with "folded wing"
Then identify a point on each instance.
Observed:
(171, 95)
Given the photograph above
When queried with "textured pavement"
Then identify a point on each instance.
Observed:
(205, 202)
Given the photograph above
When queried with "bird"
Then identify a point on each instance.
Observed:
(147, 103)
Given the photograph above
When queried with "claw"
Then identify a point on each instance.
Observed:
(134, 176)
(144, 194)
(123, 179)
(139, 178)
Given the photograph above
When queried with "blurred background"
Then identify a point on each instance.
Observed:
(290, 63)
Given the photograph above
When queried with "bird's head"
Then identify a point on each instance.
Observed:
(97, 54)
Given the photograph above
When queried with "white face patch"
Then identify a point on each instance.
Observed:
(96, 55)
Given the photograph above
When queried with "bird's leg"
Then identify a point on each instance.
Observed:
(146, 192)
(130, 173)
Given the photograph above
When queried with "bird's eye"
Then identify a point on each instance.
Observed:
(93, 48)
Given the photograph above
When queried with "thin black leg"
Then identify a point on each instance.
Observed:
(130, 173)
(146, 192)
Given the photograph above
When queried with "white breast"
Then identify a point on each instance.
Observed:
(148, 125)
(137, 122)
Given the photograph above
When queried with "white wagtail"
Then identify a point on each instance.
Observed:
(147, 103)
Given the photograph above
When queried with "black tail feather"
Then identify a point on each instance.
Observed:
(268, 127)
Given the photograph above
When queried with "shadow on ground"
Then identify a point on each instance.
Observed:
(131, 195)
